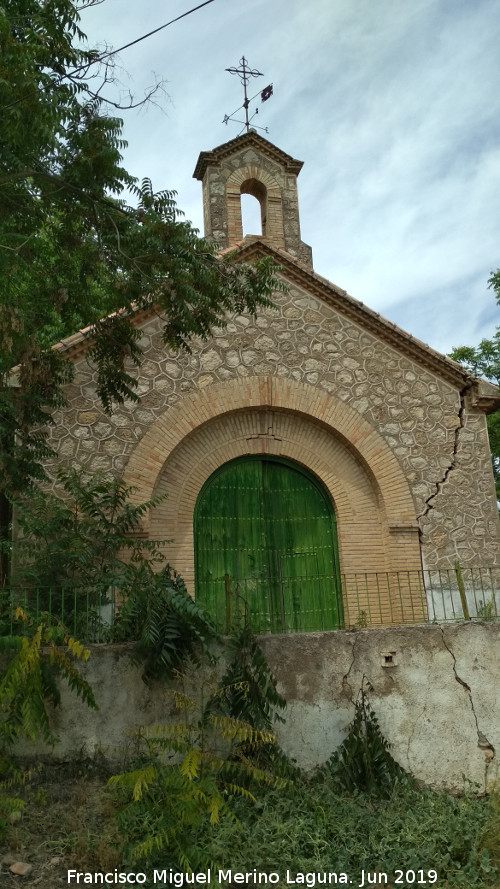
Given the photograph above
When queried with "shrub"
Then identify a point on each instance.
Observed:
(168, 627)
(189, 773)
(364, 762)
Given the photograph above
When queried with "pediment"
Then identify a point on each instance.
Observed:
(235, 146)
(487, 396)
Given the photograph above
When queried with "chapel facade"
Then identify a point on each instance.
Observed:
(318, 460)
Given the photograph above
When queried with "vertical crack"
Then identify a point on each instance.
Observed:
(410, 736)
(482, 741)
(346, 688)
(439, 484)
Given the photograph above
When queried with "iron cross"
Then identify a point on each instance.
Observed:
(244, 72)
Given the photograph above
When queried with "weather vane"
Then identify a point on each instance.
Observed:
(245, 73)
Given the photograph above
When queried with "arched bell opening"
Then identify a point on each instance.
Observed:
(257, 190)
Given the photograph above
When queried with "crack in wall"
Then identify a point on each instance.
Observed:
(410, 737)
(345, 677)
(439, 484)
(482, 741)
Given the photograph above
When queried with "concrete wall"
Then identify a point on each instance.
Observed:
(435, 693)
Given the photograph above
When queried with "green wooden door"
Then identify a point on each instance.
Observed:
(269, 526)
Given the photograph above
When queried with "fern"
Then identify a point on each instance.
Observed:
(364, 762)
(28, 681)
(170, 800)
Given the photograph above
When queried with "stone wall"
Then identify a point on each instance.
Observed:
(434, 691)
(427, 465)
(251, 165)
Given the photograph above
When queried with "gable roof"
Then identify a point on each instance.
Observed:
(247, 140)
(485, 395)
(254, 246)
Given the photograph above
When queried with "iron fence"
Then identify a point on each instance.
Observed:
(361, 599)
(85, 612)
(433, 596)
(294, 604)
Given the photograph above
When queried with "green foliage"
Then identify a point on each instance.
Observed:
(490, 838)
(362, 619)
(168, 627)
(248, 688)
(78, 552)
(363, 761)
(304, 826)
(487, 610)
(363, 811)
(11, 778)
(84, 549)
(221, 750)
(484, 361)
(72, 251)
(86, 538)
(190, 772)
(35, 659)
(248, 691)
(312, 826)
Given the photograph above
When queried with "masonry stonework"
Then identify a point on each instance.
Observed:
(395, 432)
(241, 167)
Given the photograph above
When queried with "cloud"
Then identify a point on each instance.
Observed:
(393, 107)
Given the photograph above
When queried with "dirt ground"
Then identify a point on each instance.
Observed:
(67, 823)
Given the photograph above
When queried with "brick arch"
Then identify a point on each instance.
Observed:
(251, 179)
(376, 515)
(252, 171)
(153, 450)
(254, 431)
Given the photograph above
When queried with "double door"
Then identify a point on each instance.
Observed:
(265, 543)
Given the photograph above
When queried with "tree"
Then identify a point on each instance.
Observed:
(80, 552)
(484, 361)
(73, 252)
(85, 539)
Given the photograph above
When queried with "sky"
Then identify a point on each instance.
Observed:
(392, 105)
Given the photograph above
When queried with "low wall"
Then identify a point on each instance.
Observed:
(436, 693)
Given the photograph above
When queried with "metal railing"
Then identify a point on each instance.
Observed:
(361, 599)
(87, 613)
(299, 604)
(433, 596)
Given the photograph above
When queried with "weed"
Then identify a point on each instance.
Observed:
(169, 629)
(41, 797)
(311, 826)
(490, 838)
(364, 762)
(304, 826)
(362, 619)
(189, 773)
(487, 610)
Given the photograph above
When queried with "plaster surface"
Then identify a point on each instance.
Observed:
(438, 704)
